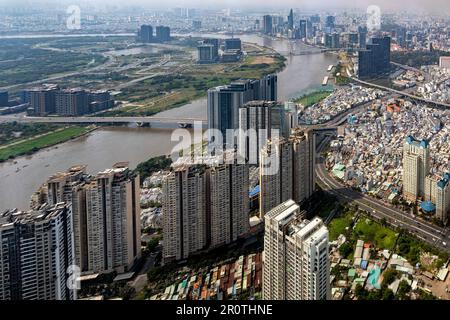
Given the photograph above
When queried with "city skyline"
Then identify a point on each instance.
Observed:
(434, 6)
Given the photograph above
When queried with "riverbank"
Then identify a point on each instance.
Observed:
(30, 146)
(313, 98)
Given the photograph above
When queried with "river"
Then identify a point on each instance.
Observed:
(104, 147)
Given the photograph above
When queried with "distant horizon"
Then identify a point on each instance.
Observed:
(431, 6)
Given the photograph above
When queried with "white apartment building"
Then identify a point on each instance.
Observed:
(437, 191)
(416, 166)
(296, 256)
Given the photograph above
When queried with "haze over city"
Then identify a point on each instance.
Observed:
(435, 6)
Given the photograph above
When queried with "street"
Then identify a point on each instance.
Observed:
(433, 235)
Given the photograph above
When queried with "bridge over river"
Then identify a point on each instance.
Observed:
(158, 122)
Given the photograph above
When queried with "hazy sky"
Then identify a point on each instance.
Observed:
(442, 6)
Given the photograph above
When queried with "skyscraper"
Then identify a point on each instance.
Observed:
(208, 51)
(113, 220)
(184, 212)
(276, 177)
(375, 59)
(99, 100)
(162, 34)
(204, 207)
(268, 88)
(401, 36)
(229, 203)
(416, 166)
(268, 24)
(303, 164)
(382, 52)
(106, 215)
(309, 29)
(287, 170)
(257, 120)
(362, 37)
(303, 27)
(255, 124)
(36, 254)
(296, 262)
(42, 99)
(443, 198)
(352, 39)
(330, 23)
(437, 191)
(196, 24)
(315, 18)
(145, 34)
(68, 187)
(291, 20)
(224, 103)
(215, 43)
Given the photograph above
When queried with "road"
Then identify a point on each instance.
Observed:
(403, 93)
(434, 235)
(140, 281)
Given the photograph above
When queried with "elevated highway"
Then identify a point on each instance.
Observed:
(404, 94)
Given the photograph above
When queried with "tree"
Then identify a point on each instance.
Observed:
(403, 290)
(360, 292)
(388, 294)
(345, 249)
(403, 248)
(127, 292)
(389, 276)
(153, 243)
(425, 295)
(374, 295)
(415, 211)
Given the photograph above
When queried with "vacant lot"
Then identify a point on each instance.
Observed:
(339, 225)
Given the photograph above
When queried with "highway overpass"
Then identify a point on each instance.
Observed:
(404, 94)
